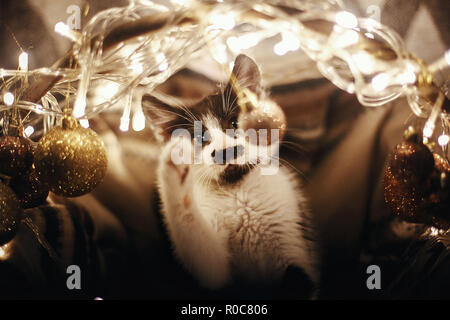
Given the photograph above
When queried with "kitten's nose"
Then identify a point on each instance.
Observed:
(225, 155)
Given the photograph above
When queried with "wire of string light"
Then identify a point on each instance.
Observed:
(359, 55)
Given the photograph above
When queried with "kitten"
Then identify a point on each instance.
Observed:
(226, 217)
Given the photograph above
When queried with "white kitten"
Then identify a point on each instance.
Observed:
(226, 217)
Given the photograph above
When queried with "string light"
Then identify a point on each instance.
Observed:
(428, 130)
(8, 98)
(4, 251)
(346, 19)
(443, 140)
(84, 123)
(79, 107)
(380, 82)
(233, 29)
(64, 30)
(125, 119)
(161, 59)
(288, 43)
(434, 231)
(28, 131)
(139, 120)
(23, 61)
(38, 109)
(364, 62)
(344, 37)
(181, 2)
(106, 91)
(407, 77)
(224, 21)
(137, 68)
(244, 42)
(430, 125)
(124, 123)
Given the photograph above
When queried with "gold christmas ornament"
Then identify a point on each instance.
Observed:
(71, 159)
(416, 184)
(16, 155)
(411, 161)
(29, 189)
(10, 213)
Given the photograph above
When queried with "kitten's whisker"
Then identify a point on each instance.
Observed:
(234, 105)
(176, 114)
(180, 125)
(288, 164)
(294, 146)
(189, 112)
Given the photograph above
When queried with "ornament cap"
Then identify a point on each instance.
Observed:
(411, 135)
(69, 122)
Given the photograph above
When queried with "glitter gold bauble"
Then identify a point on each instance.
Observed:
(10, 213)
(402, 199)
(411, 161)
(29, 189)
(418, 193)
(16, 155)
(71, 159)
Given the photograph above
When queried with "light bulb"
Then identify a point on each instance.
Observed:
(28, 131)
(84, 123)
(224, 21)
(364, 62)
(139, 121)
(23, 61)
(124, 123)
(346, 19)
(380, 82)
(8, 98)
(443, 140)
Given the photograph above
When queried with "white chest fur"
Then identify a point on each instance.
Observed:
(263, 217)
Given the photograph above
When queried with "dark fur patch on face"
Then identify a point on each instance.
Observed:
(223, 106)
(234, 173)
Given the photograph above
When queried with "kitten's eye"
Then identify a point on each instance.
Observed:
(234, 124)
(203, 137)
(206, 137)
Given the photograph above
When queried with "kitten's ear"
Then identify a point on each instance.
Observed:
(163, 117)
(245, 74)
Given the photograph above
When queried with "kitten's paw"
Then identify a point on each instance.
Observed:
(174, 171)
(174, 174)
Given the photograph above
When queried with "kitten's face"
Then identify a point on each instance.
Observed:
(225, 141)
